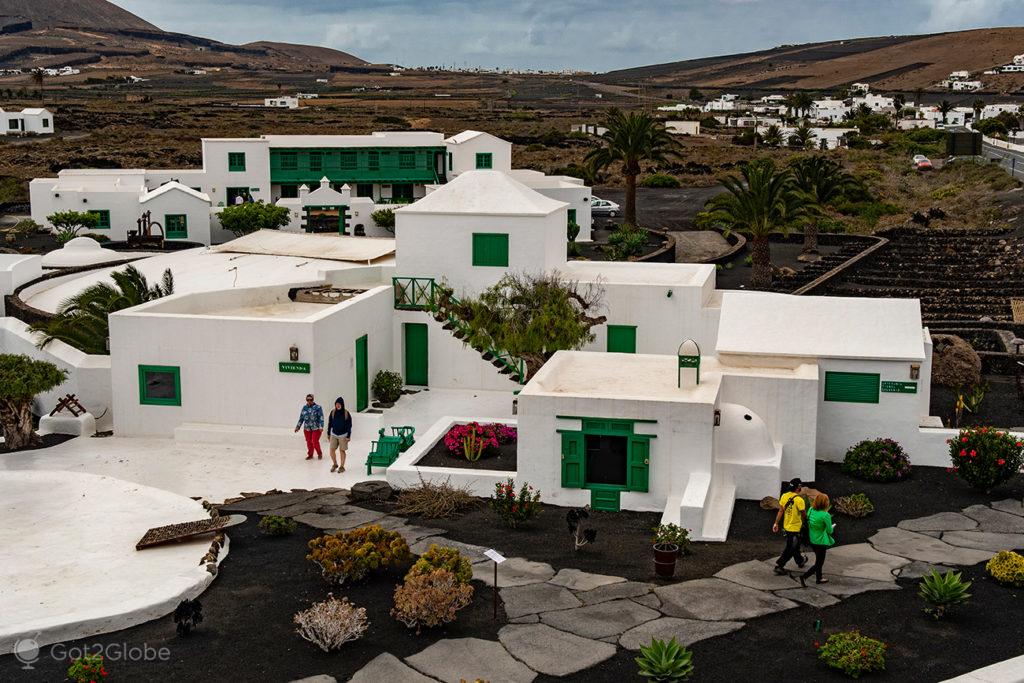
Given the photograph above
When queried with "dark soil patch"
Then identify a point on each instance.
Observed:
(1000, 408)
(503, 458)
(598, 249)
(735, 274)
(247, 633)
(47, 441)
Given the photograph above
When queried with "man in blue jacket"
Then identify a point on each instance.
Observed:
(339, 431)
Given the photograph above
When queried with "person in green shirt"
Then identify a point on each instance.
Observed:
(792, 514)
(819, 529)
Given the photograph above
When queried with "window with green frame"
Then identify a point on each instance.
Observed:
(451, 163)
(102, 218)
(852, 387)
(176, 225)
(373, 161)
(236, 161)
(348, 161)
(622, 338)
(160, 385)
(407, 160)
(289, 161)
(484, 159)
(316, 161)
(607, 457)
(490, 249)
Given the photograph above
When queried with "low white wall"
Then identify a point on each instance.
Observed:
(1002, 144)
(404, 473)
(88, 376)
(16, 270)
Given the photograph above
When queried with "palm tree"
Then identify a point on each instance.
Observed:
(759, 202)
(631, 138)
(802, 137)
(772, 136)
(945, 106)
(820, 181)
(38, 76)
(81, 320)
(803, 102)
(978, 106)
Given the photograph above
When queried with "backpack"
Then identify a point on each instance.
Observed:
(805, 532)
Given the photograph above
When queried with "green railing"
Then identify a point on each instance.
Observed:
(421, 294)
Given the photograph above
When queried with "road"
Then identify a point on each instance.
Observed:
(669, 209)
(1011, 160)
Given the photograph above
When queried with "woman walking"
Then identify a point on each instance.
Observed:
(819, 528)
(339, 431)
(311, 422)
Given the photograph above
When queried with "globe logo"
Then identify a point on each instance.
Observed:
(26, 651)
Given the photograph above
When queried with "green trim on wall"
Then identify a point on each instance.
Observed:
(385, 165)
(490, 249)
(236, 161)
(621, 339)
(175, 226)
(153, 401)
(484, 160)
(852, 387)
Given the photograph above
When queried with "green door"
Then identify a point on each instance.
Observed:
(639, 463)
(572, 460)
(622, 339)
(416, 354)
(362, 375)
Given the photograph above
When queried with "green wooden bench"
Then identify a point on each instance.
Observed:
(405, 433)
(383, 451)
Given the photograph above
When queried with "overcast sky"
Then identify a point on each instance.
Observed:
(594, 35)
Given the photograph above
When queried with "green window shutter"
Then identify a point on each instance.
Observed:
(639, 463)
(236, 161)
(572, 215)
(852, 387)
(348, 161)
(572, 460)
(102, 218)
(406, 160)
(490, 249)
(373, 161)
(176, 226)
(289, 161)
(316, 161)
(622, 339)
(484, 160)
(451, 163)
(160, 385)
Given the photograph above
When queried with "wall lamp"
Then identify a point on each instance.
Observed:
(718, 418)
(293, 353)
(915, 370)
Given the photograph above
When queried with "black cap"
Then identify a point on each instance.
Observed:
(795, 481)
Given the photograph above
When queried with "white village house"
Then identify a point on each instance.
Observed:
(31, 120)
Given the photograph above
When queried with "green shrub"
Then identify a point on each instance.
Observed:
(442, 557)
(384, 218)
(242, 219)
(535, 147)
(945, 192)
(276, 525)
(387, 386)
(572, 230)
(67, 224)
(990, 127)
(659, 180)
(943, 592)
(852, 653)
(628, 240)
(985, 457)
(1007, 568)
(674, 535)
(512, 508)
(351, 555)
(877, 460)
(855, 505)
(87, 669)
(664, 661)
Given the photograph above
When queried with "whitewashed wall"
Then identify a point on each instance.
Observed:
(577, 198)
(123, 206)
(218, 177)
(16, 270)
(196, 210)
(464, 154)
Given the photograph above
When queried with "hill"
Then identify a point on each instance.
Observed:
(888, 63)
(72, 13)
(310, 53)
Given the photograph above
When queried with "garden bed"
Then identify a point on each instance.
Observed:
(504, 458)
(1001, 406)
(48, 440)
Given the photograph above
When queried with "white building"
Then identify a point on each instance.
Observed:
(683, 127)
(829, 110)
(31, 120)
(281, 102)
(877, 103)
(956, 117)
(993, 110)
(590, 128)
(723, 103)
(1012, 68)
(967, 86)
(959, 75)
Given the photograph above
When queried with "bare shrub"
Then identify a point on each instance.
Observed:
(331, 623)
(955, 363)
(429, 600)
(435, 500)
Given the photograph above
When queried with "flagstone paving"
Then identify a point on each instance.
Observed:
(565, 622)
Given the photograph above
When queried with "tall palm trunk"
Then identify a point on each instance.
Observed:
(629, 214)
(810, 250)
(761, 263)
(16, 422)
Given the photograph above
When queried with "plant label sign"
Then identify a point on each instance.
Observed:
(301, 368)
(899, 387)
(494, 555)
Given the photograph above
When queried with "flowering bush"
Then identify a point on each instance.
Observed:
(443, 557)
(331, 623)
(877, 460)
(87, 669)
(852, 653)
(474, 440)
(512, 508)
(1007, 568)
(351, 555)
(984, 457)
(430, 599)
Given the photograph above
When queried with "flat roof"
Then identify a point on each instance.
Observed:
(329, 247)
(377, 139)
(766, 324)
(631, 273)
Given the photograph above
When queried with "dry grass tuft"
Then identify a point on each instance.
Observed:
(435, 500)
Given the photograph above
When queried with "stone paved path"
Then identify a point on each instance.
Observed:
(564, 622)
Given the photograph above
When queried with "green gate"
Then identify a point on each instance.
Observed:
(362, 375)
(416, 354)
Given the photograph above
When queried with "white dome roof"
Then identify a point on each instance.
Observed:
(80, 251)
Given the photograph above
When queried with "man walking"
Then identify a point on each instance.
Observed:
(793, 515)
(311, 420)
(339, 431)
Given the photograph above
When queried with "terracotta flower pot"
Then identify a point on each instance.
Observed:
(665, 556)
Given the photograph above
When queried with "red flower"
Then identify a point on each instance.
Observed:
(1019, 444)
(974, 453)
(963, 439)
(1000, 462)
(963, 453)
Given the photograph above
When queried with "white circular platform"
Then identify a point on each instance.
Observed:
(70, 566)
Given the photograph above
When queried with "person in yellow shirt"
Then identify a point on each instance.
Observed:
(793, 515)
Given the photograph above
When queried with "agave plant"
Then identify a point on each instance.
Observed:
(665, 661)
(943, 592)
(855, 505)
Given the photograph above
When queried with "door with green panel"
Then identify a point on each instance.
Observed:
(572, 460)
(622, 339)
(638, 463)
(362, 374)
(416, 354)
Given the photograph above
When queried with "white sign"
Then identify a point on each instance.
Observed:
(494, 555)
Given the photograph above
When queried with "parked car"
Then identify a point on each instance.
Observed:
(921, 162)
(603, 207)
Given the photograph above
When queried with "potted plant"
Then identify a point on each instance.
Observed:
(669, 542)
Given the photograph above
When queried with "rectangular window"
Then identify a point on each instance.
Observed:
(289, 161)
(159, 385)
(236, 161)
(176, 225)
(373, 160)
(490, 249)
(236, 193)
(483, 159)
(46, 123)
(102, 218)
(606, 459)
(316, 161)
(13, 124)
(852, 387)
(451, 162)
(348, 161)
(364, 190)
(622, 339)
(289, 191)
(407, 160)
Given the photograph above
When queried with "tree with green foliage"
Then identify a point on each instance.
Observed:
(21, 379)
(632, 138)
(978, 106)
(772, 136)
(384, 218)
(81, 321)
(802, 137)
(760, 201)
(67, 224)
(991, 127)
(695, 95)
(820, 181)
(242, 219)
(945, 106)
(531, 316)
